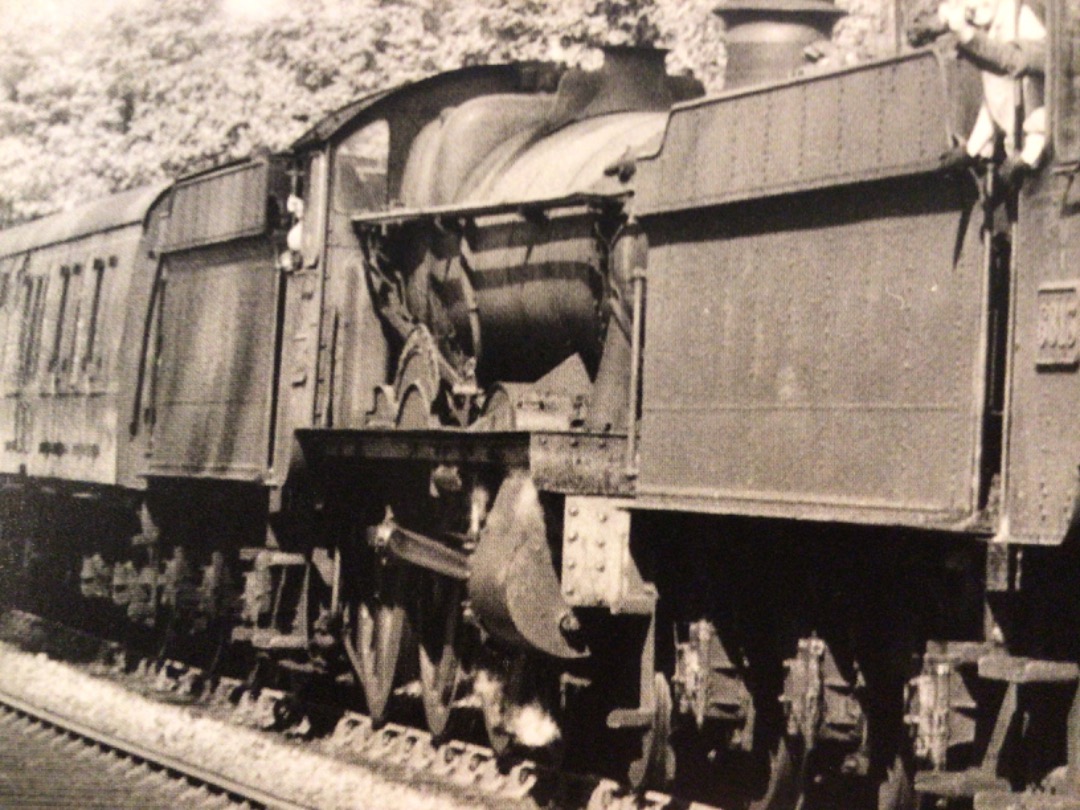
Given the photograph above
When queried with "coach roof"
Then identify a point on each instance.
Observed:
(106, 214)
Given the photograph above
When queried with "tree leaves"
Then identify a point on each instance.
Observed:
(157, 88)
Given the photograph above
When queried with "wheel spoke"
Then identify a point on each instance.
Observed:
(438, 618)
(374, 641)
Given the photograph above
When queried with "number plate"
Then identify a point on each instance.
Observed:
(1058, 337)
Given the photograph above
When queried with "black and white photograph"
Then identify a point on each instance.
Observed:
(540, 404)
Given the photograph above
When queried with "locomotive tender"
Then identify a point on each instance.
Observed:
(729, 436)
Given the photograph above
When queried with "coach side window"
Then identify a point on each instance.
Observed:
(9, 274)
(1065, 79)
(25, 310)
(33, 313)
(8, 284)
(91, 358)
(62, 314)
(12, 315)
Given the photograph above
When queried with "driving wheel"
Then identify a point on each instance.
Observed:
(438, 619)
(375, 634)
(655, 767)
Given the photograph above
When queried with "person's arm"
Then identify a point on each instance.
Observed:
(1024, 57)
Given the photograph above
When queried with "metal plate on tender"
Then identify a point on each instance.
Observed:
(1058, 329)
(775, 139)
(830, 368)
(213, 391)
(1043, 422)
(232, 202)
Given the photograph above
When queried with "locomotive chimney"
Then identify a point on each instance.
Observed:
(631, 78)
(766, 39)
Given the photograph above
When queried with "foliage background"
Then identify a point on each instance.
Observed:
(99, 99)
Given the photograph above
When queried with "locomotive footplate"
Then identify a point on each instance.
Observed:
(568, 462)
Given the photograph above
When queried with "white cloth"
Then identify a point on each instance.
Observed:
(1001, 93)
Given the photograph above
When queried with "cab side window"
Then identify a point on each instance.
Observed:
(360, 165)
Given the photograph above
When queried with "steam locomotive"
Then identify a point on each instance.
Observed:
(723, 440)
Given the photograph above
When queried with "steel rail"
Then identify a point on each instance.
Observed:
(140, 753)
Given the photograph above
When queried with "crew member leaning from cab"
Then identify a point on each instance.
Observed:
(1006, 40)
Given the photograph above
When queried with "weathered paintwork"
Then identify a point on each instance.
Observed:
(214, 370)
(66, 285)
(234, 202)
(829, 368)
(1042, 480)
(876, 120)
(816, 304)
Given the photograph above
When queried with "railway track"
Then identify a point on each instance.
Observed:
(403, 753)
(415, 754)
(134, 775)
